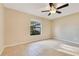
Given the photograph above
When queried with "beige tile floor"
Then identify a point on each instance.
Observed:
(22, 50)
(18, 51)
(14, 51)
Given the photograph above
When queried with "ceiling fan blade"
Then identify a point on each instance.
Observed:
(49, 14)
(65, 5)
(59, 12)
(45, 11)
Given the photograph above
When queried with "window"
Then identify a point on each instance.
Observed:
(35, 28)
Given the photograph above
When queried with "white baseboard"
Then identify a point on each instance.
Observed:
(71, 53)
(1, 50)
(10, 45)
(14, 44)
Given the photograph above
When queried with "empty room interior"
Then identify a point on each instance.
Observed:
(39, 29)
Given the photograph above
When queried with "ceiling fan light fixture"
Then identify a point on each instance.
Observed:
(53, 10)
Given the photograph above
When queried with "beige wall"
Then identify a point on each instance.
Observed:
(1, 28)
(17, 27)
(67, 28)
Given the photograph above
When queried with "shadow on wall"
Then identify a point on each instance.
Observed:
(67, 29)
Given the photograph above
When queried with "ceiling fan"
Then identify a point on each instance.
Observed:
(54, 9)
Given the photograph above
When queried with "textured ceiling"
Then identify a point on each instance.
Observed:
(36, 8)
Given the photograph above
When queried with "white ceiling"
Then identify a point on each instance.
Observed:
(36, 8)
